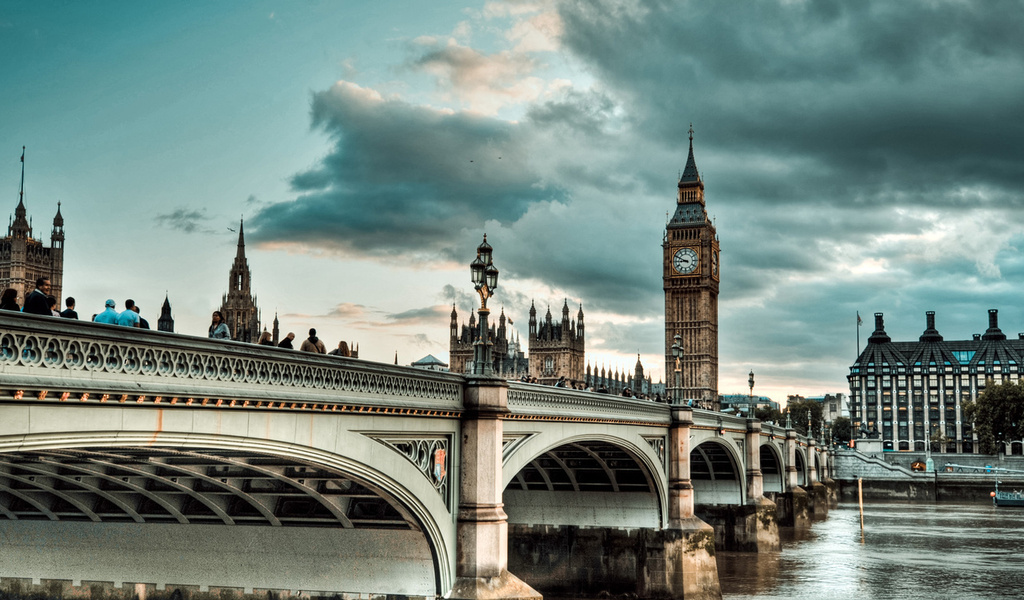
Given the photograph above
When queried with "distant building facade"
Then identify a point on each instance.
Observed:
(238, 306)
(912, 393)
(508, 359)
(23, 258)
(833, 406)
(556, 349)
(746, 403)
(615, 382)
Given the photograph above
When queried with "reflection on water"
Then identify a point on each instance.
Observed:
(910, 552)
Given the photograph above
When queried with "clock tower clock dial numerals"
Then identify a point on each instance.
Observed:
(685, 261)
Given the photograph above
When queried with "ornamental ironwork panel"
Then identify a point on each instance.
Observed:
(658, 443)
(429, 453)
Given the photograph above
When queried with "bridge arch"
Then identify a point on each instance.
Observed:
(339, 488)
(773, 468)
(583, 478)
(716, 473)
(800, 462)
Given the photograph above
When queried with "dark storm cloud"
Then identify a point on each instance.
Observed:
(857, 155)
(184, 219)
(402, 178)
(921, 95)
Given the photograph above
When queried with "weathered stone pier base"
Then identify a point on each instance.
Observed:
(819, 500)
(747, 528)
(588, 562)
(793, 508)
(506, 585)
(832, 487)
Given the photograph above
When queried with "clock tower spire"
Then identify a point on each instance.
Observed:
(691, 276)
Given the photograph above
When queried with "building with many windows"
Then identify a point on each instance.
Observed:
(912, 393)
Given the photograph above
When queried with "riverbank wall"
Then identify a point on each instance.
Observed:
(889, 478)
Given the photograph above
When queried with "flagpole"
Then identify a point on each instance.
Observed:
(858, 333)
(21, 194)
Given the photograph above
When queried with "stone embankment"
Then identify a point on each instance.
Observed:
(888, 476)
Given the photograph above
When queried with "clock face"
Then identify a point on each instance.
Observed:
(685, 260)
(714, 263)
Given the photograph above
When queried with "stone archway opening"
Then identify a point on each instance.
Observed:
(578, 504)
(207, 517)
(584, 483)
(772, 471)
(715, 475)
(801, 469)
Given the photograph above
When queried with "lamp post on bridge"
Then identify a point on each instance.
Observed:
(677, 354)
(750, 398)
(485, 281)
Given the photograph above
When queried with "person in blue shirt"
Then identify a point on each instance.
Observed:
(109, 315)
(128, 317)
(218, 328)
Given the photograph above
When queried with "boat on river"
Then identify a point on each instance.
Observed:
(1004, 498)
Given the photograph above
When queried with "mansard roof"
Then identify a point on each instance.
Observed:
(690, 213)
(981, 353)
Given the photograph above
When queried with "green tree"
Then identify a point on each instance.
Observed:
(998, 415)
(842, 430)
(767, 413)
(798, 412)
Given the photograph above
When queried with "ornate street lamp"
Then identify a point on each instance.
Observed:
(677, 354)
(750, 398)
(485, 281)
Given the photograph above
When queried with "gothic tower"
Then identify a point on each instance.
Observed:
(166, 321)
(238, 306)
(23, 258)
(557, 347)
(690, 276)
(508, 359)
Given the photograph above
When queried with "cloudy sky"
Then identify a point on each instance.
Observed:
(858, 156)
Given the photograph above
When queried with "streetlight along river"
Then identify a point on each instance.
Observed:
(910, 552)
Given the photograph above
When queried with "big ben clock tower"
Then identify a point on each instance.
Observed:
(691, 275)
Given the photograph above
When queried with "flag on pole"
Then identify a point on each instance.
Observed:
(859, 321)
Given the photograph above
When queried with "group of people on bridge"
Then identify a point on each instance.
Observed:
(41, 302)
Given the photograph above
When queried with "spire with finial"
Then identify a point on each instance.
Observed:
(166, 321)
(240, 253)
(690, 174)
(21, 227)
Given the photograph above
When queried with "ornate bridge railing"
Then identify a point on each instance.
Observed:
(540, 402)
(53, 359)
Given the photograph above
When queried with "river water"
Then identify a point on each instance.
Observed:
(909, 552)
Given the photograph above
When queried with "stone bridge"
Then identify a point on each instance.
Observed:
(142, 460)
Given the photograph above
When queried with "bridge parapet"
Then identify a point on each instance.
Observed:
(91, 361)
(546, 402)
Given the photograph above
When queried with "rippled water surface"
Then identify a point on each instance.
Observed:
(910, 552)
